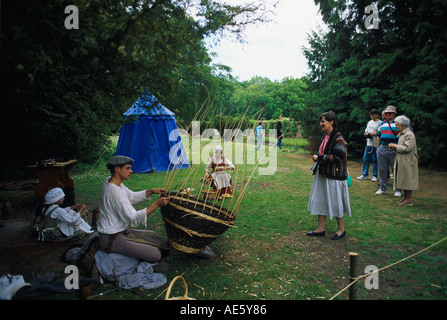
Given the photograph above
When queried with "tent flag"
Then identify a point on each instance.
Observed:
(150, 136)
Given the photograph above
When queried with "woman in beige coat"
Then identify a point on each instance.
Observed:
(406, 164)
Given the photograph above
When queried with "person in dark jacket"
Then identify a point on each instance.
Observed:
(279, 134)
(329, 195)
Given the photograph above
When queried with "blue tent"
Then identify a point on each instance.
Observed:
(149, 135)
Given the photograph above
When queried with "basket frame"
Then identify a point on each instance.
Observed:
(189, 225)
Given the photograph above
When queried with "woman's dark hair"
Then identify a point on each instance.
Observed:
(330, 116)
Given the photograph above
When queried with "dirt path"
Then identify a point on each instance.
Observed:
(20, 252)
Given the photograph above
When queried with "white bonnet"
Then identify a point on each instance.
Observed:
(218, 148)
(54, 195)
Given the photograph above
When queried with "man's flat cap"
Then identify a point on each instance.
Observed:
(119, 161)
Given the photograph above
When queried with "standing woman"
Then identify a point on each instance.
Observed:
(406, 164)
(329, 195)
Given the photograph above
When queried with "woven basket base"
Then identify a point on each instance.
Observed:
(181, 248)
(192, 224)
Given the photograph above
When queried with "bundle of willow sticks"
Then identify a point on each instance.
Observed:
(193, 223)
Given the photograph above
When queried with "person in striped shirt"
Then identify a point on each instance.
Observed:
(387, 133)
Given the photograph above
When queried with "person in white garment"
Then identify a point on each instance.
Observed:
(370, 154)
(220, 178)
(61, 224)
(259, 134)
(116, 212)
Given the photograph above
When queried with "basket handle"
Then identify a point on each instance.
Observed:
(171, 285)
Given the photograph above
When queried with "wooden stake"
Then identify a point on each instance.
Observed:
(353, 275)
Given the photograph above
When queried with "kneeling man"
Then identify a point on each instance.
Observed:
(117, 212)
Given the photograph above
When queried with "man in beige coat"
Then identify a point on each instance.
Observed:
(406, 164)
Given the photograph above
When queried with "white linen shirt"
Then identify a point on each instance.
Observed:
(68, 221)
(116, 211)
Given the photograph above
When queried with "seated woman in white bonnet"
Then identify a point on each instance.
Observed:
(220, 178)
(61, 224)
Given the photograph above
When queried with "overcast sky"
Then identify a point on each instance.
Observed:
(273, 50)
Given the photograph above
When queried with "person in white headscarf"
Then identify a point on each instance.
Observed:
(406, 165)
(61, 224)
(220, 178)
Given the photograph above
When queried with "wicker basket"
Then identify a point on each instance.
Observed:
(210, 194)
(192, 224)
(184, 297)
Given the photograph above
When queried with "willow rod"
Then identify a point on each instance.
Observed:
(169, 173)
(173, 174)
(190, 178)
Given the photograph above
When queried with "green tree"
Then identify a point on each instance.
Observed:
(355, 69)
(66, 89)
(269, 100)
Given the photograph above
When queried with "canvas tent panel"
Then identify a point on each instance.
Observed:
(132, 144)
(160, 131)
(148, 107)
(144, 142)
(125, 145)
(145, 137)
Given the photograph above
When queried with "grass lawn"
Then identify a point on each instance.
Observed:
(268, 255)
